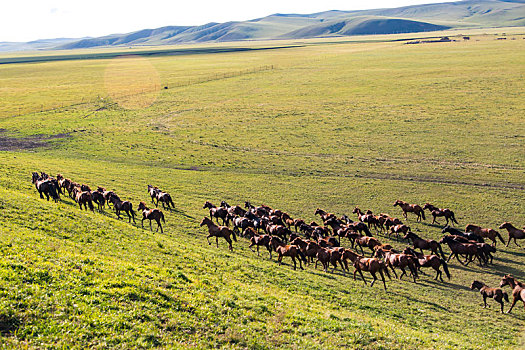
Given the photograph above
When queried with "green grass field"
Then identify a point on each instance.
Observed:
(332, 125)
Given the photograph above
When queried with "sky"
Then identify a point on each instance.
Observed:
(26, 20)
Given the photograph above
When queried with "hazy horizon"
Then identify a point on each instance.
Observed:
(35, 20)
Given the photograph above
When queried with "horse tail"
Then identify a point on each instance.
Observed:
(423, 214)
(162, 217)
(453, 217)
(445, 268)
(367, 231)
(506, 296)
(301, 254)
(499, 236)
(441, 251)
(234, 235)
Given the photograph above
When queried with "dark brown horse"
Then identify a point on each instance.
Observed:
(218, 231)
(98, 197)
(287, 250)
(365, 241)
(411, 208)
(84, 198)
(485, 232)
(432, 261)
(428, 244)
(514, 233)
(46, 186)
(470, 250)
(497, 294)
(372, 265)
(518, 289)
(437, 212)
(125, 206)
(217, 213)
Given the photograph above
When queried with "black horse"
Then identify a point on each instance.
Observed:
(46, 186)
(468, 235)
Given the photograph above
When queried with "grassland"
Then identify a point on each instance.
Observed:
(331, 126)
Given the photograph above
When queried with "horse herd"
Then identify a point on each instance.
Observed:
(309, 242)
(82, 194)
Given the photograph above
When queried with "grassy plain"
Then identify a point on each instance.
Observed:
(331, 126)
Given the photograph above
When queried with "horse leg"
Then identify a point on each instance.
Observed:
(501, 303)
(150, 228)
(516, 242)
(361, 273)
(393, 270)
(160, 226)
(434, 219)
(382, 278)
(208, 239)
(513, 303)
(228, 239)
(403, 273)
(375, 278)
(508, 241)
(217, 241)
(294, 262)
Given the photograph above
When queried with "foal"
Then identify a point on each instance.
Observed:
(496, 293)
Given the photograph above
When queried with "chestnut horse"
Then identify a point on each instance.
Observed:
(371, 265)
(432, 261)
(400, 261)
(518, 289)
(218, 231)
(497, 294)
(514, 233)
(437, 212)
(258, 240)
(485, 232)
(411, 208)
(151, 214)
(470, 250)
(283, 250)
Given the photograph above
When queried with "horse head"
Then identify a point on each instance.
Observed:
(506, 281)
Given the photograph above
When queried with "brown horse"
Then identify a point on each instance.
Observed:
(85, 198)
(514, 233)
(98, 197)
(432, 261)
(485, 232)
(287, 250)
(429, 244)
(125, 206)
(323, 214)
(258, 240)
(518, 289)
(411, 208)
(497, 294)
(401, 261)
(398, 229)
(46, 186)
(369, 219)
(217, 213)
(470, 250)
(437, 212)
(372, 265)
(151, 214)
(218, 231)
(365, 241)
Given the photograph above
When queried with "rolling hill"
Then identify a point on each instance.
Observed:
(408, 19)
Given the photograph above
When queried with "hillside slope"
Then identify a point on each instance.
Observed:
(417, 18)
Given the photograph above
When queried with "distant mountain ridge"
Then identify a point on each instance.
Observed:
(407, 19)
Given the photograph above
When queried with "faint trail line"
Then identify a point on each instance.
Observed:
(365, 159)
